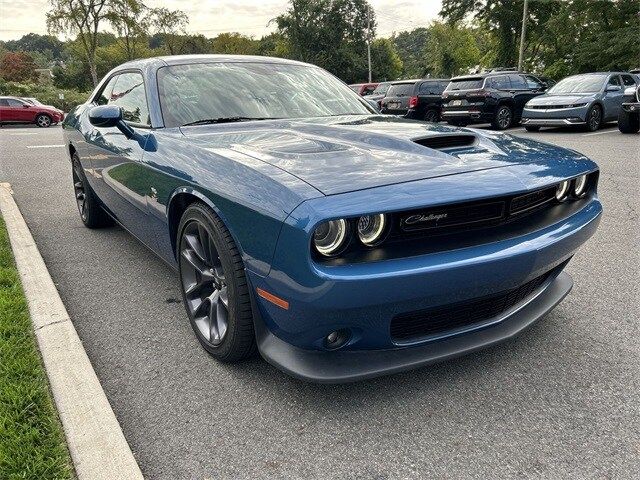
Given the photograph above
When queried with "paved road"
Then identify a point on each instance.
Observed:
(560, 401)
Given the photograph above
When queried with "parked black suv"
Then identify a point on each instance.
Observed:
(495, 97)
(396, 101)
(426, 99)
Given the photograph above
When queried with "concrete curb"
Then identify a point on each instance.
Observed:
(96, 442)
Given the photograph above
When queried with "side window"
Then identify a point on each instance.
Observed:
(628, 81)
(532, 82)
(428, 88)
(4, 102)
(128, 93)
(105, 95)
(614, 80)
(368, 90)
(501, 82)
(518, 82)
(15, 103)
(441, 87)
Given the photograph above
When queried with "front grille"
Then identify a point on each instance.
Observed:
(441, 142)
(548, 107)
(532, 200)
(424, 323)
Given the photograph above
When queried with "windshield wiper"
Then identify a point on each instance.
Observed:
(206, 121)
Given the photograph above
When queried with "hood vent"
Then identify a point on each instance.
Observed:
(443, 142)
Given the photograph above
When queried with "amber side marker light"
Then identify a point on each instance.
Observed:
(273, 299)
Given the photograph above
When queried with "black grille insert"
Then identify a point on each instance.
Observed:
(424, 323)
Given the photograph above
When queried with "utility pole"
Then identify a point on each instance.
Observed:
(523, 33)
(369, 41)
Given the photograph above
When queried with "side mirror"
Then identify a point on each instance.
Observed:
(613, 88)
(107, 116)
(24, 105)
(629, 91)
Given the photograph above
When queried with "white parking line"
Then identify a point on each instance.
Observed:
(23, 133)
(45, 146)
(613, 130)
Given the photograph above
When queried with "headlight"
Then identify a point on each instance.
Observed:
(371, 229)
(578, 105)
(330, 237)
(562, 190)
(580, 186)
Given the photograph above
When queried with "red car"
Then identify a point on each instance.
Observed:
(14, 110)
(363, 89)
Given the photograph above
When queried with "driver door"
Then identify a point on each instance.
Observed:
(613, 100)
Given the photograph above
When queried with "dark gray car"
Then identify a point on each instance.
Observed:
(588, 99)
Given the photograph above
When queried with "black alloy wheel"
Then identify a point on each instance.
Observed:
(91, 213)
(503, 118)
(594, 118)
(214, 286)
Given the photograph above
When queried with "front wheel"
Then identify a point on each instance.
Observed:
(214, 287)
(43, 121)
(502, 118)
(594, 118)
(629, 122)
(91, 213)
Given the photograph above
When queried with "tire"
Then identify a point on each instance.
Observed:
(629, 122)
(432, 115)
(457, 123)
(503, 118)
(43, 120)
(91, 213)
(532, 128)
(594, 118)
(208, 277)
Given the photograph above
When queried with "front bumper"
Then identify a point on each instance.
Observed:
(554, 117)
(347, 366)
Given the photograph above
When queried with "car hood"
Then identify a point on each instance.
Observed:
(347, 153)
(561, 99)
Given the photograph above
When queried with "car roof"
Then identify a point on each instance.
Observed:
(434, 80)
(405, 82)
(188, 59)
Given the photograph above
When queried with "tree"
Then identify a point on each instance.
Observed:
(410, 46)
(451, 50)
(82, 18)
(18, 67)
(234, 43)
(385, 61)
(169, 25)
(329, 33)
(130, 21)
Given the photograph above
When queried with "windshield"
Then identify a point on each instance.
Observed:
(400, 90)
(189, 93)
(579, 84)
(381, 89)
(465, 84)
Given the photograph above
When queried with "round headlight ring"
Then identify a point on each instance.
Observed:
(329, 237)
(372, 228)
(562, 190)
(580, 186)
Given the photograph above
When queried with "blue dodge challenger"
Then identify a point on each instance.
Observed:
(340, 243)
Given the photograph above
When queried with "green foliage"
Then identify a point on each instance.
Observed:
(170, 26)
(451, 50)
(234, 43)
(47, 94)
(31, 439)
(385, 61)
(329, 33)
(410, 46)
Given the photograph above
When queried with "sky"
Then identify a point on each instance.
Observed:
(211, 17)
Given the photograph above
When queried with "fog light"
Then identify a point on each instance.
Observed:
(336, 339)
(562, 190)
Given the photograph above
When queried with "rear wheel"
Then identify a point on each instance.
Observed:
(43, 120)
(502, 118)
(629, 122)
(91, 213)
(594, 118)
(532, 128)
(431, 115)
(214, 286)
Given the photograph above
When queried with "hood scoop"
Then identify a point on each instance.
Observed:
(444, 142)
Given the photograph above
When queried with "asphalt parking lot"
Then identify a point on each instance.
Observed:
(560, 401)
